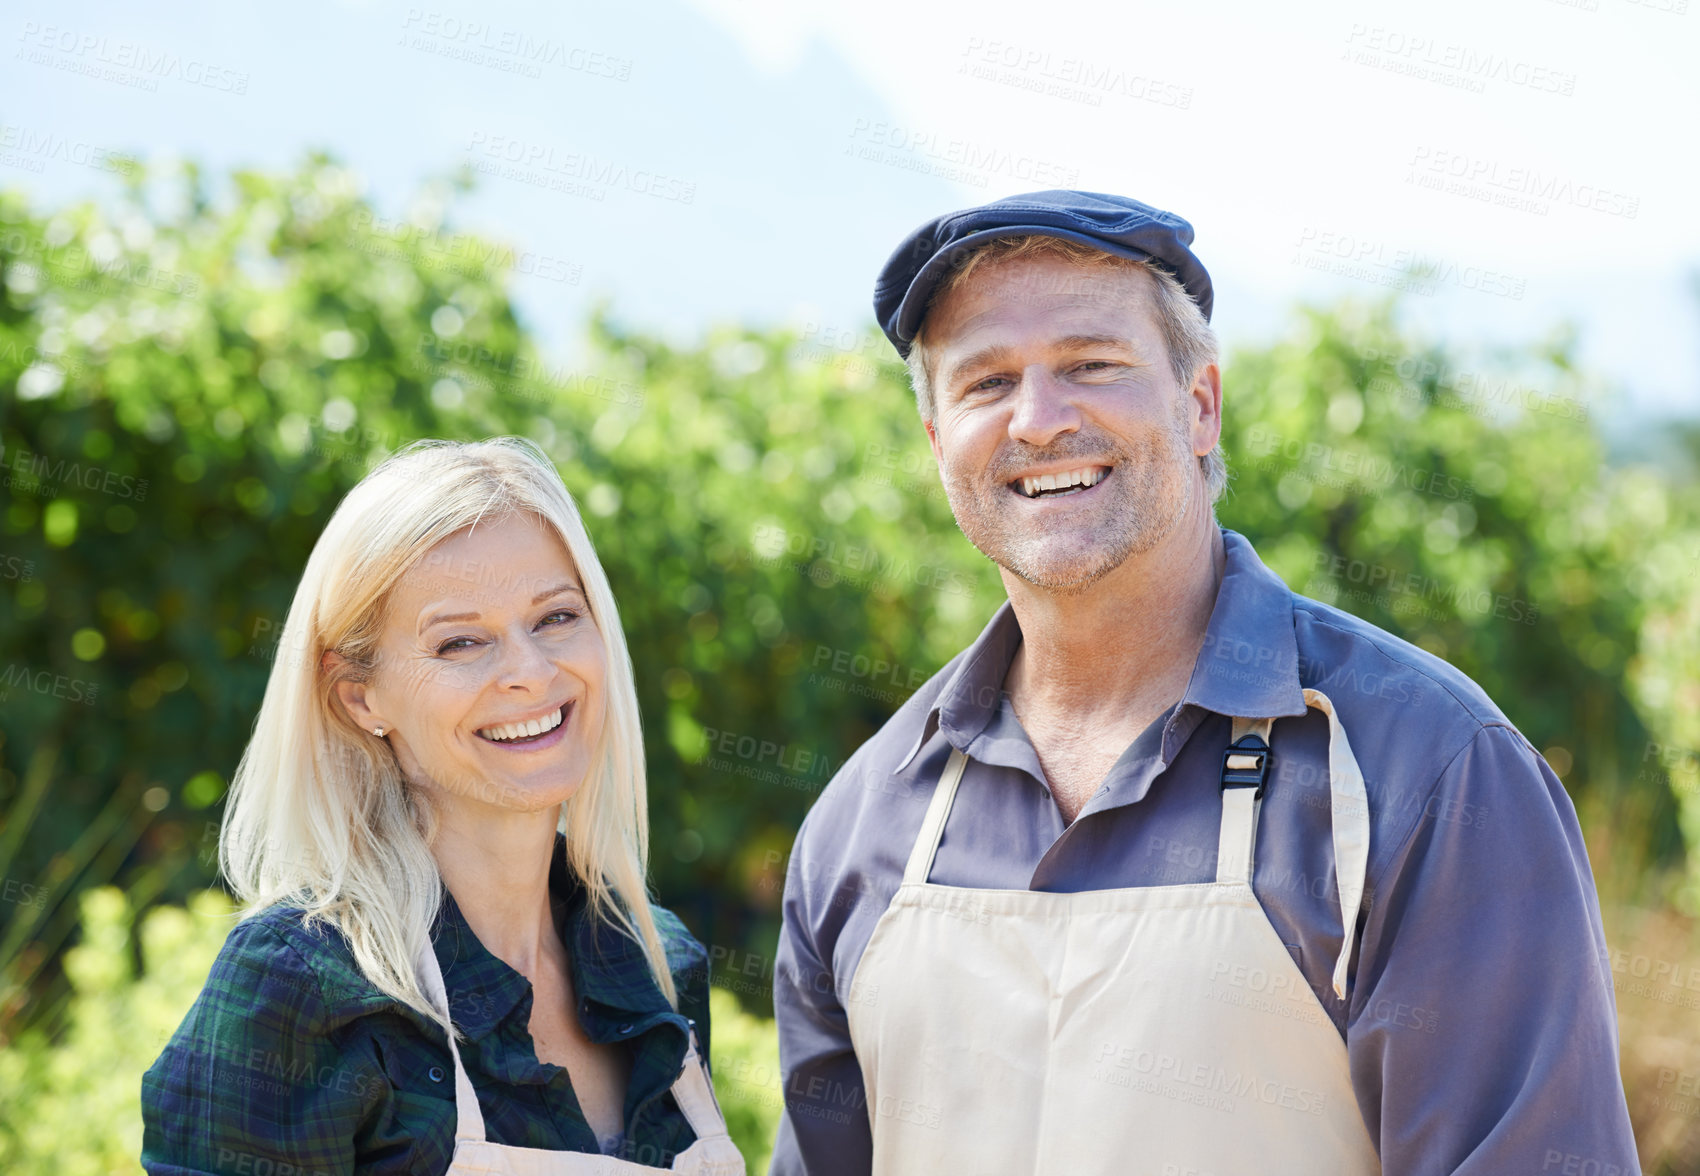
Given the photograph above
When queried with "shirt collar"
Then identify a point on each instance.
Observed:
(609, 968)
(1249, 663)
(1247, 667)
(975, 688)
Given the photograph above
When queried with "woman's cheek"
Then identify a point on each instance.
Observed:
(586, 656)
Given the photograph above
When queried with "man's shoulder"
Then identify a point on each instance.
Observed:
(1388, 685)
(1337, 648)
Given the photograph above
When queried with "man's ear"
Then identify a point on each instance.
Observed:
(1206, 393)
(933, 440)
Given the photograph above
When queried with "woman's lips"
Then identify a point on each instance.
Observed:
(537, 742)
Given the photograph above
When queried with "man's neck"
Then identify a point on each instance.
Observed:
(1102, 654)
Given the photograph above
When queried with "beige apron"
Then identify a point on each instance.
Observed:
(1160, 1030)
(713, 1153)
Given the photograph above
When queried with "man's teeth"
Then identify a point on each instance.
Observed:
(1083, 478)
(519, 730)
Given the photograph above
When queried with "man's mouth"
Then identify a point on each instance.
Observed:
(528, 731)
(1060, 485)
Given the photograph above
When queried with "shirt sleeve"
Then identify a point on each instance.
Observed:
(1482, 1032)
(252, 1080)
(824, 1128)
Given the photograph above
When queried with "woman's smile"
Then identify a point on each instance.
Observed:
(532, 734)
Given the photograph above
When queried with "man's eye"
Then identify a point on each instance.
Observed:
(1093, 365)
(987, 384)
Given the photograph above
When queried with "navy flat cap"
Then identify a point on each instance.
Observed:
(1115, 224)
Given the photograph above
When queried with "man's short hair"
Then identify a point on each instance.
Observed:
(1186, 332)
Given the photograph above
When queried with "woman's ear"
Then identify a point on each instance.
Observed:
(351, 694)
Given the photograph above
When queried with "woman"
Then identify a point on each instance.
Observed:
(448, 961)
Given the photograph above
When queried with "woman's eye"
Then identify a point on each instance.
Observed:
(561, 616)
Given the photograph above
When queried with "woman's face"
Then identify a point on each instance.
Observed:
(490, 682)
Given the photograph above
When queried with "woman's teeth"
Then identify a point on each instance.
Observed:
(1081, 479)
(508, 731)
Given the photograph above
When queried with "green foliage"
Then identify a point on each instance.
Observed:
(192, 380)
(746, 1077)
(196, 389)
(73, 1105)
(1465, 505)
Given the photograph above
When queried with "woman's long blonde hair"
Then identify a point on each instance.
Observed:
(319, 815)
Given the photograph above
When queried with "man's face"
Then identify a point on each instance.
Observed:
(1049, 374)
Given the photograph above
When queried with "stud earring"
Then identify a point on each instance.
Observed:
(378, 731)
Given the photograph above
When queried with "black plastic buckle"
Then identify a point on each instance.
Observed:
(1253, 777)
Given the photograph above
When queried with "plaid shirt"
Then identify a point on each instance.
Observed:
(291, 1064)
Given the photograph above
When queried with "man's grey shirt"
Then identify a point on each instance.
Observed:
(1479, 1022)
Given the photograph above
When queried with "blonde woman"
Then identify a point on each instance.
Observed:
(448, 961)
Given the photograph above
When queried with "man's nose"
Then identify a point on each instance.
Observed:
(1043, 408)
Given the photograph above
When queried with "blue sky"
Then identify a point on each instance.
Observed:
(739, 160)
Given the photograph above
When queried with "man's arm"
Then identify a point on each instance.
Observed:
(1482, 1031)
(824, 1130)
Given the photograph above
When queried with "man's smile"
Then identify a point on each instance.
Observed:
(1060, 484)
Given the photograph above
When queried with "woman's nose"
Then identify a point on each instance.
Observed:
(524, 662)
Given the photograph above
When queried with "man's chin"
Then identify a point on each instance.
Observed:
(1059, 568)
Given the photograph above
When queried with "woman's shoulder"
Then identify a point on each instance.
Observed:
(262, 1064)
(280, 956)
(685, 953)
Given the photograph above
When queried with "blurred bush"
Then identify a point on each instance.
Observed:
(73, 1105)
(193, 378)
(746, 1077)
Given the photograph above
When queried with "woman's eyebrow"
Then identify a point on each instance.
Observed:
(445, 618)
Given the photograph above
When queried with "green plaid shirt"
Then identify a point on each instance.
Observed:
(291, 1064)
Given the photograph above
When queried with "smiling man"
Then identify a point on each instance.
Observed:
(1172, 871)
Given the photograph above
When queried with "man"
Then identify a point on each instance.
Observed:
(1172, 871)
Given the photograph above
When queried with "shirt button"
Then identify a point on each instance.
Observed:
(435, 1073)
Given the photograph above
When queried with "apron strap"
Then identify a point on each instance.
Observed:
(1349, 808)
(469, 1119)
(1239, 809)
(932, 825)
(695, 1096)
(691, 1090)
(1348, 805)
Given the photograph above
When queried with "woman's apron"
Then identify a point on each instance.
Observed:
(1161, 1030)
(713, 1153)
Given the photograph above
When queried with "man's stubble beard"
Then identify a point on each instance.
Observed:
(1153, 489)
